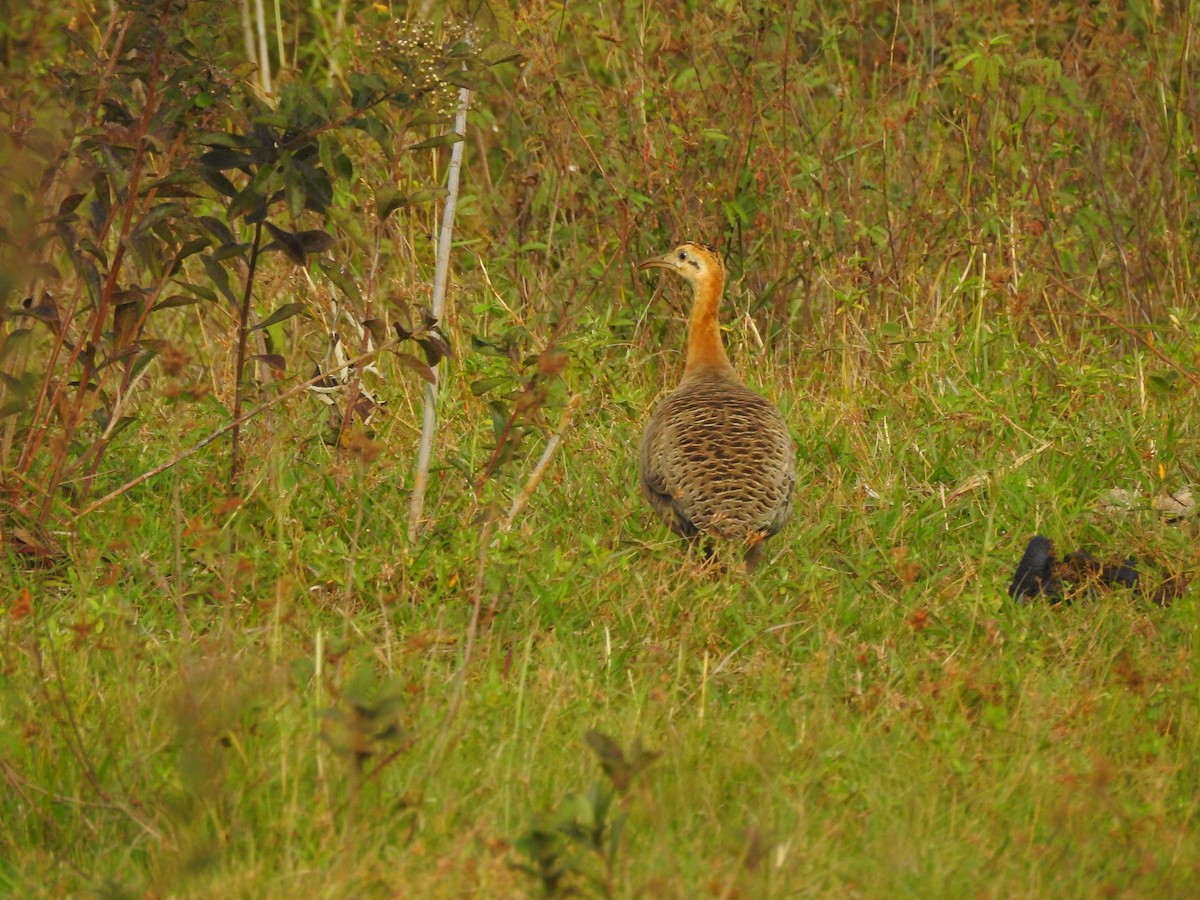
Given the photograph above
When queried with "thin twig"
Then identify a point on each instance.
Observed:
(235, 454)
(535, 477)
(441, 275)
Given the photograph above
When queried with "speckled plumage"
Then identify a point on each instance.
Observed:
(716, 458)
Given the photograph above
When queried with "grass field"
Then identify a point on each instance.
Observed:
(962, 248)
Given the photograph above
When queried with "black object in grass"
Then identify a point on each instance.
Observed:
(1041, 574)
(1035, 571)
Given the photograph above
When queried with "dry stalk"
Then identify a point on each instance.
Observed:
(445, 236)
(535, 477)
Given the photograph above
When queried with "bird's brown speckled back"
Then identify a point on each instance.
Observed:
(717, 459)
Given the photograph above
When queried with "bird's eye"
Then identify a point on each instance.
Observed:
(683, 254)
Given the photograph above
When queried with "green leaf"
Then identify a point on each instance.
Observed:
(282, 314)
(342, 278)
(204, 293)
(223, 158)
(218, 182)
(390, 200)
(157, 214)
(442, 140)
(387, 201)
(318, 189)
(191, 248)
(221, 139)
(486, 385)
(228, 251)
(246, 201)
(217, 229)
(364, 88)
(296, 193)
(173, 301)
(219, 277)
(378, 130)
(1164, 382)
(463, 80)
(15, 339)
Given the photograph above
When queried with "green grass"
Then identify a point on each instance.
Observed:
(976, 333)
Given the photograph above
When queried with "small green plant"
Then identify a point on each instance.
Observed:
(575, 849)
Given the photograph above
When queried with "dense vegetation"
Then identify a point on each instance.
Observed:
(962, 247)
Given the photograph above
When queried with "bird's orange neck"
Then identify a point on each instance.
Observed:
(705, 350)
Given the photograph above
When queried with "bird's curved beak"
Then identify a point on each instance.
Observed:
(655, 262)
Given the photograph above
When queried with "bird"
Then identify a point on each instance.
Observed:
(716, 458)
(1040, 573)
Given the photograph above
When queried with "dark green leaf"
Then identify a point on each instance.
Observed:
(316, 241)
(218, 229)
(287, 241)
(487, 385)
(160, 186)
(249, 199)
(373, 126)
(223, 158)
(442, 140)
(228, 251)
(463, 80)
(191, 248)
(283, 313)
(218, 182)
(13, 342)
(364, 89)
(173, 301)
(200, 291)
(219, 277)
(318, 189)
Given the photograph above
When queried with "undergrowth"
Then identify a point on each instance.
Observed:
(961, 244)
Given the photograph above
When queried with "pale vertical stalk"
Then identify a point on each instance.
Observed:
(438, 304)
(248, 32)
(264, 59)
(279, 45)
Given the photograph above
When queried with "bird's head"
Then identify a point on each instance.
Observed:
(698, 263)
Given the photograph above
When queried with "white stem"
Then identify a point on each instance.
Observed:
(438, 303)
(264, 60)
